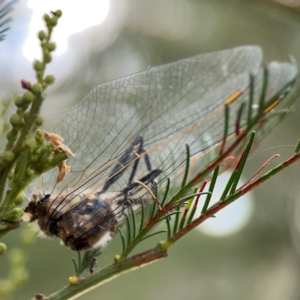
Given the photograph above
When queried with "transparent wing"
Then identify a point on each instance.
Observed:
(169, 106)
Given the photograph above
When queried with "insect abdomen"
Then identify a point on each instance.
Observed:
(82, 224)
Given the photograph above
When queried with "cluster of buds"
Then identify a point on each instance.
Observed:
(26, 155)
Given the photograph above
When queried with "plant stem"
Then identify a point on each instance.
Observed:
(109, 273)
(220, 205)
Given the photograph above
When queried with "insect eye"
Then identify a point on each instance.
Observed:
(40, 202)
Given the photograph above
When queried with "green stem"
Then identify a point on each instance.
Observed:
(35, 108)
(3, 178)
(21, 168)
(72, 292)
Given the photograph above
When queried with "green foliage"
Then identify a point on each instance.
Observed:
(24, 155)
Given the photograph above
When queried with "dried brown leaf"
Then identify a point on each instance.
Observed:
(56, 140)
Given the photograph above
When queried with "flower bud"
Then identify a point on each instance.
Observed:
(51, 46)
(39, 120)
(3, 248)
(28, 97)
(37, 65)
(39, 136)
(47, 57)
(15, 120)
(31, 143)
(36, 88)
(8, 156)
(49, 79)
(19, 101)
(14, 215)
(12, 134)
(53, 21)
(58, 13)
(47, 18)
(46, 151)
(41, 35)
(19, 199)
(74, 280)
(29, 173)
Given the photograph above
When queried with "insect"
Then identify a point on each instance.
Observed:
(93, 265)
(135, 128)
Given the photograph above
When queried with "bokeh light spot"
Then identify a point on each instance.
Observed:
(231, 219)
(77, 16)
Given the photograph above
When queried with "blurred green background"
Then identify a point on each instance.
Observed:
(262, 259)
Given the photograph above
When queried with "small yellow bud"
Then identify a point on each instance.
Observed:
(117, 258)
(73, 280)
(3, 248)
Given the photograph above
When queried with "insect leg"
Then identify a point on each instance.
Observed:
(135, 165)
(131, 154)
(149, 178)
(93, 264)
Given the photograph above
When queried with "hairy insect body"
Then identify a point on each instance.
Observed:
(80, 221)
